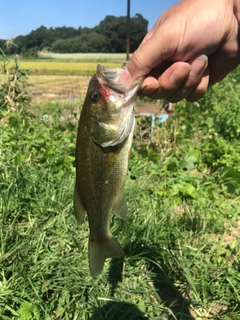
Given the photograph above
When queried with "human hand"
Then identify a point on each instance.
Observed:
(193, 45)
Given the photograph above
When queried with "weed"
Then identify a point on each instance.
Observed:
(13, 94)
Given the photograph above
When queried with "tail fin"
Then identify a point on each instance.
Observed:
(98, 252)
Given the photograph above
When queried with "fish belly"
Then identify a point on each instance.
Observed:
(101, 173)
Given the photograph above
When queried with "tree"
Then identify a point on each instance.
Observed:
(115, 31)
(138, 30)
(108, 36)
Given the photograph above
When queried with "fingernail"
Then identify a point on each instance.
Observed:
(199, 65)
(150, 88)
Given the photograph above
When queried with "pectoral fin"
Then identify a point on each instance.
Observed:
(79, 211)
(120, 207)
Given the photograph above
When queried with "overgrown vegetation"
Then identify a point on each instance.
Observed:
(13, 95)
(181, 236)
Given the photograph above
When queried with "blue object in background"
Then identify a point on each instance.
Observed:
(157, 119)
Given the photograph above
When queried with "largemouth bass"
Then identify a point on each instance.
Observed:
(105, 133)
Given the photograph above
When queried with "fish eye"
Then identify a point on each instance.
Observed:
(95, 96)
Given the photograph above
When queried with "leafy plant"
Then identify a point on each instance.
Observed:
(13, 95)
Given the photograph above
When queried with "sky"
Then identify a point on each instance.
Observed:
(21, 17)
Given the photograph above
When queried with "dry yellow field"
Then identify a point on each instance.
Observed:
(47, 88)
(63, 67)
(54, 80)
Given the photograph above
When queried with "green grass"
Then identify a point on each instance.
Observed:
(181, 236)
(63, 67)
(66, 64)
(179, 265)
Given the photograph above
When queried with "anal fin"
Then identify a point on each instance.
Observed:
(79, 211)
(120, 207)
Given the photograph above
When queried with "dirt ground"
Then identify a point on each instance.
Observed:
(57, 88)
(49, 88)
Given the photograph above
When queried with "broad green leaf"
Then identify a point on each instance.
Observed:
(189, 189)
(27, 311)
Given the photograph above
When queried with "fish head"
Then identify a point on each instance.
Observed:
(109, 106)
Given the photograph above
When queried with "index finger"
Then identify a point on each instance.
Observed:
(154, 49)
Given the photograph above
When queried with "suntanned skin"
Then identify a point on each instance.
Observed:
(193, 45)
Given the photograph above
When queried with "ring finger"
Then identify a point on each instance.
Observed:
(196, 84)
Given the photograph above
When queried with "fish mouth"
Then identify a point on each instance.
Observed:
(110, 76)
(115, 132)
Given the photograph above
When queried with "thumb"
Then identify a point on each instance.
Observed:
(152, 51)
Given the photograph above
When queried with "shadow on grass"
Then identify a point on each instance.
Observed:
(171, 296)
(115, 310)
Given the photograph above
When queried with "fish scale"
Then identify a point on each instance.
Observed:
(104, 140)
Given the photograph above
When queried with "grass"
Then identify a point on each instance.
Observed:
(181, 236)
(63, 67)
(182, 257)
(78, 64)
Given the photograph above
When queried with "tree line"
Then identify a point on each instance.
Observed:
(107, 37)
